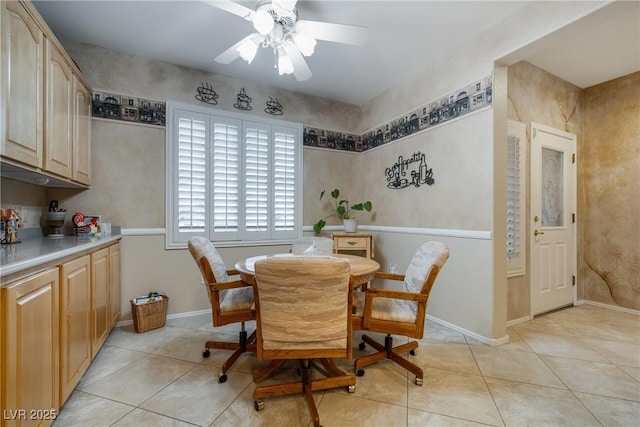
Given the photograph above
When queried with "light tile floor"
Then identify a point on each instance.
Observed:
(575, 367)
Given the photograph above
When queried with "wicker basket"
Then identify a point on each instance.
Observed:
(150, 315)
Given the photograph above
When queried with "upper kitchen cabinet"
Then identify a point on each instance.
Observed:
(45, 104)
(22, 79)
(81, 132)
(58, 146)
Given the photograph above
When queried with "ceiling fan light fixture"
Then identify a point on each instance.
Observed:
(248, 50)
(263, 22)
(285, 66)
(305, 43)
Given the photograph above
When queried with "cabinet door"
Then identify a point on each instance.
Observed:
(114, 296)
(30, 344)
(81, 132)
(75, 323)
(100, 309)
(58, 114)
(21, 82)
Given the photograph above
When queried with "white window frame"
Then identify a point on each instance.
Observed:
(277, 131)
(516, 198)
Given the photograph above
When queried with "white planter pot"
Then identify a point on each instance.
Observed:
(350, 225)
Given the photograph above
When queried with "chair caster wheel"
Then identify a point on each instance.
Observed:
(412, 352)
(258, 404)
(222, 378)
(360, 372)
(206, 353)
(351, 388)
(361, 346)
(418, 381)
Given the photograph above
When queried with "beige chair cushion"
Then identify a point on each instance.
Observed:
(388, 309)
(429, 254)
(303, 302)
(232, 299)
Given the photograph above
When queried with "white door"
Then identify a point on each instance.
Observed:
(553, 201)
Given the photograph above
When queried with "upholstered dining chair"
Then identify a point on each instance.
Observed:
(316, 245)
(231, 301)
(303, 312)
(399, 312)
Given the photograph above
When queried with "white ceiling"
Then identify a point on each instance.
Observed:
(404, 36)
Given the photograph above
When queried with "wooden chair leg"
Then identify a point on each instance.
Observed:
(312, 406)
(245, 343)
(389, 352)
(306, 385)
(268, 370)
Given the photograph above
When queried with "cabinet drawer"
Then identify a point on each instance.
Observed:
(352, 242)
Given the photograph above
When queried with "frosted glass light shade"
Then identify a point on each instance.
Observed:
(263, 22)
(284, 64)
(248, 50)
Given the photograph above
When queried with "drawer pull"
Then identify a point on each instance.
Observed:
(352, 243)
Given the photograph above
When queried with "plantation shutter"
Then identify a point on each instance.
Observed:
(225, 178)
(190, 178)
(256, 169)
(516, 135)
(231, 179)
(284, 180)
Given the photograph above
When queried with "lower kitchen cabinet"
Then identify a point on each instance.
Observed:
(30, 359)
(75, 323)
(52, 324)
(100, 308)
(114, 296)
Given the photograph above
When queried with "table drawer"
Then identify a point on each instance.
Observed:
(352, 242)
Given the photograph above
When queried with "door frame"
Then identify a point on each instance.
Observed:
(534, 128)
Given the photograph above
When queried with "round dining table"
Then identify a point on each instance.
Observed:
(362, 269)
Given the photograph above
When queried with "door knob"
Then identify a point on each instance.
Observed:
(536, 232)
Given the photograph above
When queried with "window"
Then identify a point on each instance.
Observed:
(230, 178)
(516, 137)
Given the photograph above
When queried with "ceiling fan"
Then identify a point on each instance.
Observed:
(278, 27)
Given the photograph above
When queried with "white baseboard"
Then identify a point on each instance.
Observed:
(609, 307)
(170, 316)
(518, 321)
(489, 341)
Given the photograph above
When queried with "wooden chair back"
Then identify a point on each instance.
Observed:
(303, 308)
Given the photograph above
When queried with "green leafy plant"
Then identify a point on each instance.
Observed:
(341, 209)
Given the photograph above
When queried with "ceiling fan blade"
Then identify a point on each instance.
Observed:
(232, 7)
(300, 68)
(231, 54)
(338, 33)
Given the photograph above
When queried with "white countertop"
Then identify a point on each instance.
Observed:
(39, 250)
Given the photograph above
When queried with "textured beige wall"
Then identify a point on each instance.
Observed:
(605, 119)
(609, 264)
(28, 200)
(127, 177)
(326, 170)
(132, 75)
(538, 96)
(460, 155)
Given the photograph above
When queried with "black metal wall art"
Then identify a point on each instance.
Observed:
(273, 107)
(243, 101)
(206, 94)
(412, 171)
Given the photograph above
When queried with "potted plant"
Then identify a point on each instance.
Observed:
(341, 209)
